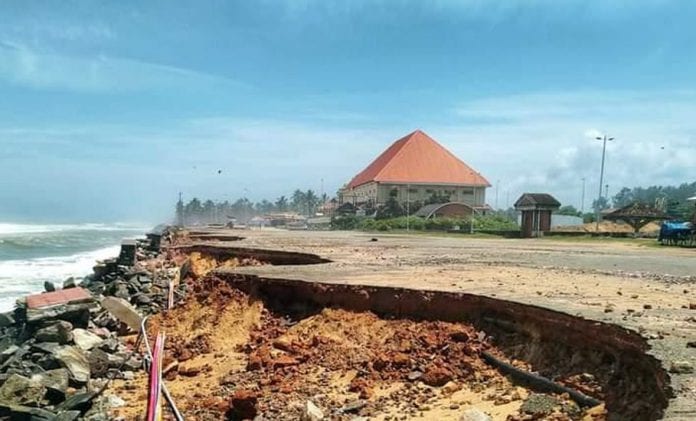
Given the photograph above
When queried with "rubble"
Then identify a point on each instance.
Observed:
(58, 348)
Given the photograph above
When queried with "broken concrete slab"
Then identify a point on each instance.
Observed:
(123, 311)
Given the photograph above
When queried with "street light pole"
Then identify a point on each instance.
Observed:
(604, 139)
(582, 200)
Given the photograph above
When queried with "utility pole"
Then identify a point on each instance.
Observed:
(604, 139)
(582, 200)
(497, 187)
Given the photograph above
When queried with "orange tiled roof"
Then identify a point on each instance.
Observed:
(417, 158)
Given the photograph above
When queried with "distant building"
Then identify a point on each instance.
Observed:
(536, 211)
(414, 168)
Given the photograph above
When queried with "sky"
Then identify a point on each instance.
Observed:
(109, 109)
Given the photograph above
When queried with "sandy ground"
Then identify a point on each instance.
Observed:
(631, 283)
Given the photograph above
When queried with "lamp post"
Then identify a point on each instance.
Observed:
(582, 200)
(604, 139)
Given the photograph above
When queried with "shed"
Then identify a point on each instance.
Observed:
(536, 211)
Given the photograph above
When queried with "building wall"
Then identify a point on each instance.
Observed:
(380, 193)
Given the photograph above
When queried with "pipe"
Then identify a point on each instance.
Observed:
(165, 391)
(538, 382)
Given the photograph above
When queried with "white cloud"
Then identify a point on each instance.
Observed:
(27, 67)
(546, 142)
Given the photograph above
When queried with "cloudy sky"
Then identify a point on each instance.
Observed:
(109, 109)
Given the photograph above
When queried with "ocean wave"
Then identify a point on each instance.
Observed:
(13, 229)
(27, 276)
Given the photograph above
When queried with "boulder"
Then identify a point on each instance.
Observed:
(20, 390)
(474, 414)
(49, 287)
(56, 383)
(75, 361)
(69, 283)
(59, 332)
(85, 340)
(6, 319)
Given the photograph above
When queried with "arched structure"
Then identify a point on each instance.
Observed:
(448, 210)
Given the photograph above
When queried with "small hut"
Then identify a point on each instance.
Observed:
(536, 211)
(637, 215)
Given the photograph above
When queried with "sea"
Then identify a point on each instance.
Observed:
(31, 254)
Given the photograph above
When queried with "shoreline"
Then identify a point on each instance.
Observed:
(340, 275)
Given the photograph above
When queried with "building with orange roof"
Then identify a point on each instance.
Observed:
(413, 169)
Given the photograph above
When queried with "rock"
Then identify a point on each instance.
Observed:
(353, 406)
(123, 311)
(100, 362)
(59, 332)
(474, 414)
(691, 344)
(692, 306)
(20, 412)
(75, 361)
(141, 299)
(85, 340)
(110, 345)
(681, 367)
(242, 405)
(114, 401)
(451, 387)
(188, 369)
(56, 383)
(20, 390)
(414, 375)
(67, 416)
(78, 401)
(69, 283)
(436, 375)
(312, 412)
(538, 404)
(7, 353)
(49, 287)
(6, 319)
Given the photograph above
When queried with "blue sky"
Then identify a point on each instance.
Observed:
(109, 109)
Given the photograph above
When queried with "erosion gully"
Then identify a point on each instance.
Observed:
(250, 347)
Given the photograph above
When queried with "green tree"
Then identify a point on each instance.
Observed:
(568, 210)
(311, 200)
(298, 201)
(281, 204)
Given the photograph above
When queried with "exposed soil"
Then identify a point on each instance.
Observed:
(234, 358)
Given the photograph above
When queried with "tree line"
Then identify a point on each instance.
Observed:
(203, 212)
(669, 199)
